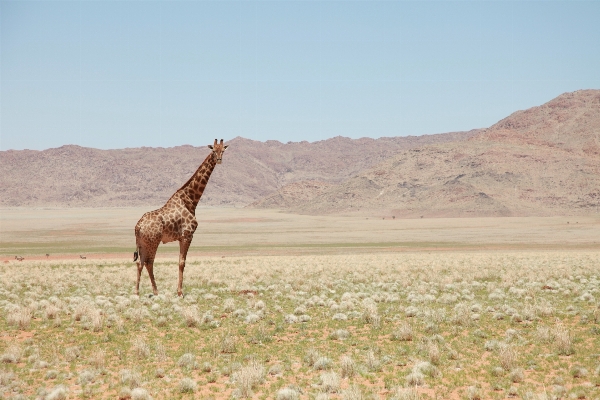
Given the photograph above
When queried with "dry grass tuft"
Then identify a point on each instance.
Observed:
(339, 334)
(190, 316)
(370, 313)
(140, 394)
(322, 363)
(433, 353)
(228, 305)
(473, 393)
(311, 356)
(130, 378)
(20, 317)
(517, 375)
(562, 340)
(188, 361)
(228, 344)
(543, 334)
(330, 382)
(98, 359)
(58, 393)
(12, 355)
(187, 385)
(372, 362)
(507, 356)
(404, 332)
(140, 348)
(248, 377)
(287, 394)
(347, 366)
(405, 394)
(160, 351)
(352, 393)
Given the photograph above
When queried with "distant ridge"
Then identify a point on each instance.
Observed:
(74, 176)
(540, 161)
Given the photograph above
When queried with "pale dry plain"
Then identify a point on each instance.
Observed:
(109, 231)
(287, 306)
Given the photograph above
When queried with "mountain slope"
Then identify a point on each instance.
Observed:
(251, 170)
(541, 161)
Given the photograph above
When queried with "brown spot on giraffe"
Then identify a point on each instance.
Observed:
(175, 220)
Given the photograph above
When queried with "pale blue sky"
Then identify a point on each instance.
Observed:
(114, 74)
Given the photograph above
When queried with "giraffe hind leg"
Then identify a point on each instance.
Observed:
(150, 267)
(140, 267)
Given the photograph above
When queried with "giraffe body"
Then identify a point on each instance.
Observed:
(175, 221)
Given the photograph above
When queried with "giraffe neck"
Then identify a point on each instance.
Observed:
(195, 186)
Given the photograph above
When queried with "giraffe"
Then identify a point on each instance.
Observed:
(175, 220)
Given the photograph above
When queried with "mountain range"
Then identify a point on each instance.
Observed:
(539, 161)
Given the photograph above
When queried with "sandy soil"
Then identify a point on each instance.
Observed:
(107, 233)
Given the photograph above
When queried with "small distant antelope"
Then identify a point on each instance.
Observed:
(19, 258)
(47, 255)
(82, 257)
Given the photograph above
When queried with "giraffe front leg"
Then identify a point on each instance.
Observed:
(184, 245)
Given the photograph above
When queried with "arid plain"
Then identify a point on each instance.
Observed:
(288, 306)
(108, 232)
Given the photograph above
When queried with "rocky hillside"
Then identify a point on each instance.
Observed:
(541, 161)
(84, 177)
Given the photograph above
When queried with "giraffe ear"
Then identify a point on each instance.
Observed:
(225, 147)
(210, 146)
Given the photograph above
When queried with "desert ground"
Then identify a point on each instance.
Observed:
(289, 306)
(108, 233)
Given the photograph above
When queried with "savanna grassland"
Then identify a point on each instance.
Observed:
(286, 307)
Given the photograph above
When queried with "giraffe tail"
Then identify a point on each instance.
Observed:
(135, 255)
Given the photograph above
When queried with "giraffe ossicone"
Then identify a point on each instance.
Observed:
(175, 221)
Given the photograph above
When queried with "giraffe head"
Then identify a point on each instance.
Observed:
(217, 150)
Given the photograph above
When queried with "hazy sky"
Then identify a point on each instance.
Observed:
(114, 74)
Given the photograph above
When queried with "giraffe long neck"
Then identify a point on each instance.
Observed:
(195, 186)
